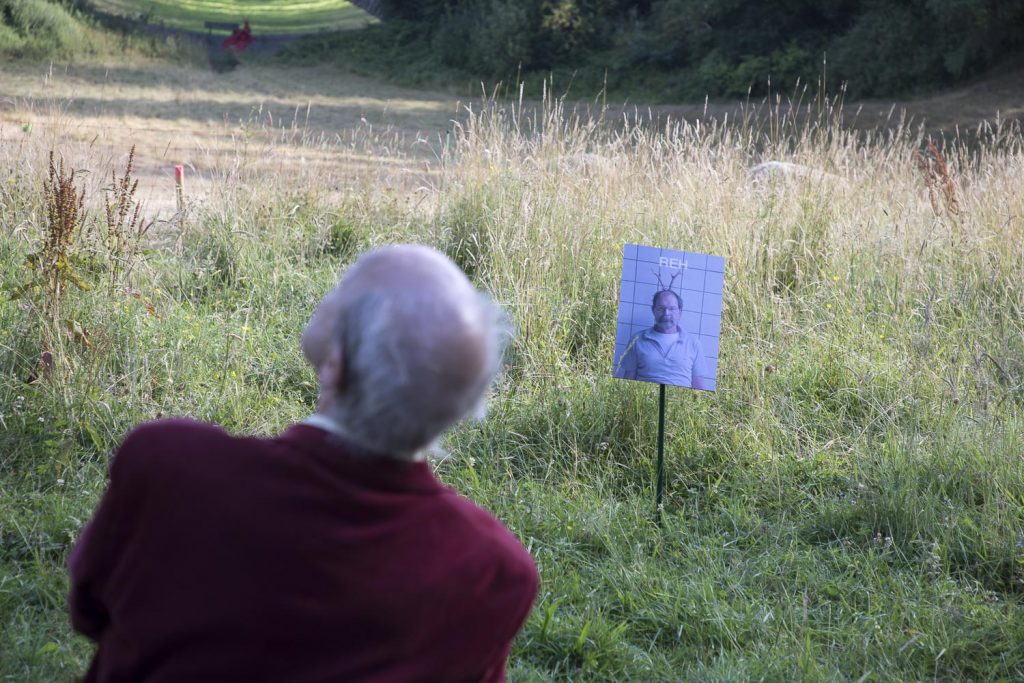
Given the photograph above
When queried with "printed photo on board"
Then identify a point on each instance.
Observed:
(670, 314)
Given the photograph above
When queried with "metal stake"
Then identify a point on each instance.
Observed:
(660, 486)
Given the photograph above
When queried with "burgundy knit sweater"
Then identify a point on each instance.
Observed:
(219, 558)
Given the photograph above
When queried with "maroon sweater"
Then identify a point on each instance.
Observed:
(218, 558)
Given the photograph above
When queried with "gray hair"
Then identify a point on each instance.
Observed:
(398, 390)
(657, 295)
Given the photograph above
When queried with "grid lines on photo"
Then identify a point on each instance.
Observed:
(698, 280)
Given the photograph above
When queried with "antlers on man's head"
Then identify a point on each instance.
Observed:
(661, 285)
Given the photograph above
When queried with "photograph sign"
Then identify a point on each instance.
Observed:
(670, 315)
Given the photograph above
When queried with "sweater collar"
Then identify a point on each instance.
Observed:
(377, 470)
(325, 423)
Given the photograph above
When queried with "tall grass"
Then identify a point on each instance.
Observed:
(848, 506)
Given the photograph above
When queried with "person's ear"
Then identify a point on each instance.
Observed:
(318, 335)
(332, 369)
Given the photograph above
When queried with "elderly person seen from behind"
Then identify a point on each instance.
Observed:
(329, 552)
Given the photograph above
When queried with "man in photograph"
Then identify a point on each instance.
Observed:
(330, 552)
(664, 353)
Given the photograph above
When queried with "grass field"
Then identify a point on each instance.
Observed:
(848, 506)
(265, 16)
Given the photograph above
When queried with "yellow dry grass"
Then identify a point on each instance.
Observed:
(252, 121)
(318, 122)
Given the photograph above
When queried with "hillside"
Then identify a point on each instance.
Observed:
(266, 17)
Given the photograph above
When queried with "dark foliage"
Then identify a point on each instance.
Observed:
(723, 47)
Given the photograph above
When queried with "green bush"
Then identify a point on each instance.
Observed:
(66, 29)
(495, 35)
(32, 28)
(690, 48)
(903, 51)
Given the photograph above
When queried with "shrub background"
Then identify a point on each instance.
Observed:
(686, 49)
(66, 30)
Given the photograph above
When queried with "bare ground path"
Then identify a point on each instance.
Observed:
(314, 119)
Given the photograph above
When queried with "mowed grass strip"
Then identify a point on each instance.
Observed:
(265, 16)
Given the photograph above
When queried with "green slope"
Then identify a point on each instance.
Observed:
(265, 16)
(41, 29)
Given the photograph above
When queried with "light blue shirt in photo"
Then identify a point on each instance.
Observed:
(649, 360)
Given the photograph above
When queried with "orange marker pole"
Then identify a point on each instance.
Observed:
(179, 186)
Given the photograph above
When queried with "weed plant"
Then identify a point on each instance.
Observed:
(53, 263)
(849, 505)
(125, 226)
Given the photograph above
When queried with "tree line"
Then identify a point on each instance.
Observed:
(689, 48)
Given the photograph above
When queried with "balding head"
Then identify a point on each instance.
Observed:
(404, 348)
